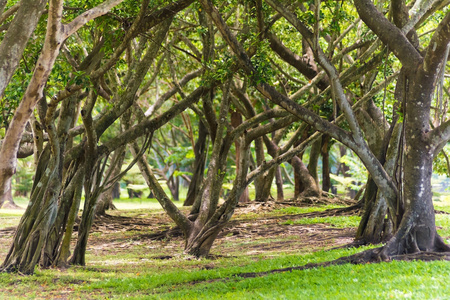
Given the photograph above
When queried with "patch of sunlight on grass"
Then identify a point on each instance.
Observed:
(338, 222)
(140, 203)
(443, 221)
(10, 217)
(293, 210)
(442, 201)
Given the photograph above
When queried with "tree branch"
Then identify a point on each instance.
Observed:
(142, 24)
(89, 15)
(294, 60)
(390, 34)
(382, 179)
(5, 15)
(438, 46)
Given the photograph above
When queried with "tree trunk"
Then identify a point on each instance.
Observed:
(105, 201)
(174, 187)
(298, 182)
(16, 38)
(307, 182)
(199, 165)
(61, 253)
(259, 182)
(279, 183)
(236, 120)
(68, 187)
(314, 160)
(417, 229)
(376, 225)
(326, 170)
(204, 232)
(199, 242)
(35, 224)
(36, 228)
(267, 179)
(6, 200)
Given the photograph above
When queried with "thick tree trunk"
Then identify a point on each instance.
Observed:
(199, 242)
(174, 187)
(105, 202)
(203, 233)
(36, 229)
(307, 182)
(35, 224)
(67, 189)
(299, 186)
(376, 224)
(417, 229)
(72, 194)
(267, 180)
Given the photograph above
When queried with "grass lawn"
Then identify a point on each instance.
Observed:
(123, 261)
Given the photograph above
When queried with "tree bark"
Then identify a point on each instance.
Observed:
(326, 170)
(279, 183)
(105, 201)
(56, 34)
(417, 229)
(16, 38)
(314, 160)
(199, 165)
(236, 120)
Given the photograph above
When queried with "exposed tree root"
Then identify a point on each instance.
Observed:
(10, 205)
(365, 257)
(325, 199)
(163, 235)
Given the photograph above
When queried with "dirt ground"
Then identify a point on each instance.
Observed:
(252, 231)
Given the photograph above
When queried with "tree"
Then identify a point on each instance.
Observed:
(416, 231)
(41, 230)
(57, 33)
(11, 49)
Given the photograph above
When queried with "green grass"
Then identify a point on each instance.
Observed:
(183, 278)
(11, 217)
(128, 267)
(412, 280)
(294, 210)
(140, 203)
(443, 221)
(338, 222)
